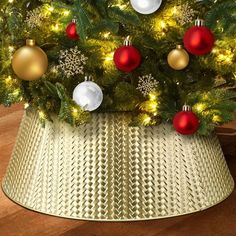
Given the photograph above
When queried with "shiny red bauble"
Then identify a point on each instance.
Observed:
(71, 31)
(186, 122)
(199, 40)
(127, 58)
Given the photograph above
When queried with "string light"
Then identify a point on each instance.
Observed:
(158, 27)
(146, 119)
(163, 24)
(74, 111)
(167, 20)
(200, 107)
(234, 75)
(51, 8)
(106, 35)
(152, 96)
(11, 49)
(16, 92)
(174, 10)
(109, 59)
(26, 105)
(66, 13)
(120, 5)
(205, 97)
(216, 119)
(55, 28)
(223, 56)
(226, 58)
(42, 115)
(152, 107)
(54, 70)
(214, 50)
(8, 80)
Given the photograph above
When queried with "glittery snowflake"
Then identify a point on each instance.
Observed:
(184, 14)
(35, 18)
(72, 61)
(147, 84)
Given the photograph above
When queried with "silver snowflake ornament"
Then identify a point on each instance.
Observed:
(184, 14)
(147, 84)
(35, 18)
(72, 62)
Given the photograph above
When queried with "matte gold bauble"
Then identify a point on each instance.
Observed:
(30, 62)
(178, 59)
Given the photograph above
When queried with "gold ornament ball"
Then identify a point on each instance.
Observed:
(178, 59)
(30, 62)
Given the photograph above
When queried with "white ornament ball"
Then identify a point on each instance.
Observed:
(146, 6)
(88, 95)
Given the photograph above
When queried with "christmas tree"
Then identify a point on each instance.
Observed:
(117, 67)
(145, 58)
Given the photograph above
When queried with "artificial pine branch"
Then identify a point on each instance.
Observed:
(102, 26)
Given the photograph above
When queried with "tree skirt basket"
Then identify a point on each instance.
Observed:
(108, 171)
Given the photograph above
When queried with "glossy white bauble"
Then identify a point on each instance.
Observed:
(146, 6)
(88, 95)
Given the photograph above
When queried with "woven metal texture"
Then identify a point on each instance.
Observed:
(106, 170)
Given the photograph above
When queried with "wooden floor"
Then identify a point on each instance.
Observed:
(17, 221)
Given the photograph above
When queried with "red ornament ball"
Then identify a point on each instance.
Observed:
(71, 31)
(199, 40)
(127, 58)
(186, 122)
